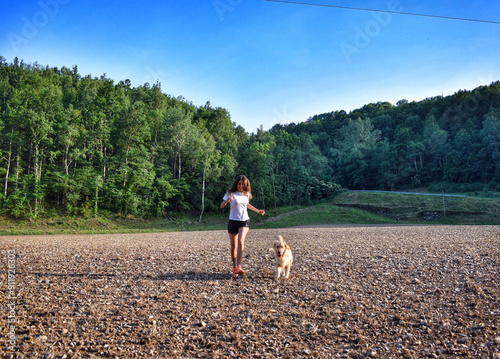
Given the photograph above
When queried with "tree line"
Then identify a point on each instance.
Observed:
(85, 146)
(447, 143)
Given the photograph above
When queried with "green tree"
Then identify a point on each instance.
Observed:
(461, 158)
(179, 132)
(436, 145)
(490, 135)
(255, 162)
(354, 145)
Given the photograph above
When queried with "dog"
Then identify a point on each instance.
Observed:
(284, 257)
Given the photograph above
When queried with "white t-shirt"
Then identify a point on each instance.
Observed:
(239, 204)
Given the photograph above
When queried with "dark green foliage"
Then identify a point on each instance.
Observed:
(454, 139)
(81, 145)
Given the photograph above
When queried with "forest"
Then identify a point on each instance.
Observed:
(85, 146)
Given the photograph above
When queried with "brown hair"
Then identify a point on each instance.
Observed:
(247, 189)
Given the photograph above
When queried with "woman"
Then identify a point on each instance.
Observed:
(239, 195)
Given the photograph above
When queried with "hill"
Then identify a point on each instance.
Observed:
(80, 146)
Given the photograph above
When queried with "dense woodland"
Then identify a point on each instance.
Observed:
(82, 145)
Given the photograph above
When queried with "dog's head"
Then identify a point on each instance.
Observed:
(280, 247)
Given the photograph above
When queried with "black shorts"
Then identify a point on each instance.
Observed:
(234, 226)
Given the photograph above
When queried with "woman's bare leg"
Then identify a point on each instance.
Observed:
(242, 233)
(233, 238)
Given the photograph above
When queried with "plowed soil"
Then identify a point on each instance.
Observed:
(353, 292)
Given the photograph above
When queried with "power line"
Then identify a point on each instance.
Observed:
(386, 11)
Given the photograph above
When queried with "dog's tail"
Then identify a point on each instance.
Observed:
(271, 250)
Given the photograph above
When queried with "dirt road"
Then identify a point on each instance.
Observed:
(381, 292)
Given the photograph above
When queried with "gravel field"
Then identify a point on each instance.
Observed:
(353, 292)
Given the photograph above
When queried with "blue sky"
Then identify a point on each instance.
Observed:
(265, 62)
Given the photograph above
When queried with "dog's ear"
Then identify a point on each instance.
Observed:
(287, 246)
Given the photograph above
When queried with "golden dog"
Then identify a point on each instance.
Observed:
(284, 257)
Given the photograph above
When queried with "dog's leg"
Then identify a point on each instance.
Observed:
(279, 272)
(287, 271)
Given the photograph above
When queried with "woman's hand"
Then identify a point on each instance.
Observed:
(259, 211)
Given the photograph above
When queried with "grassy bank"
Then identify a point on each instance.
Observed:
(422, 208)
(345, 208)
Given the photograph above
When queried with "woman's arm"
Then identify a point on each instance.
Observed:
(252, 208)
(229, 199)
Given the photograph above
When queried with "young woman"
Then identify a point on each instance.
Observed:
(239, 196)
